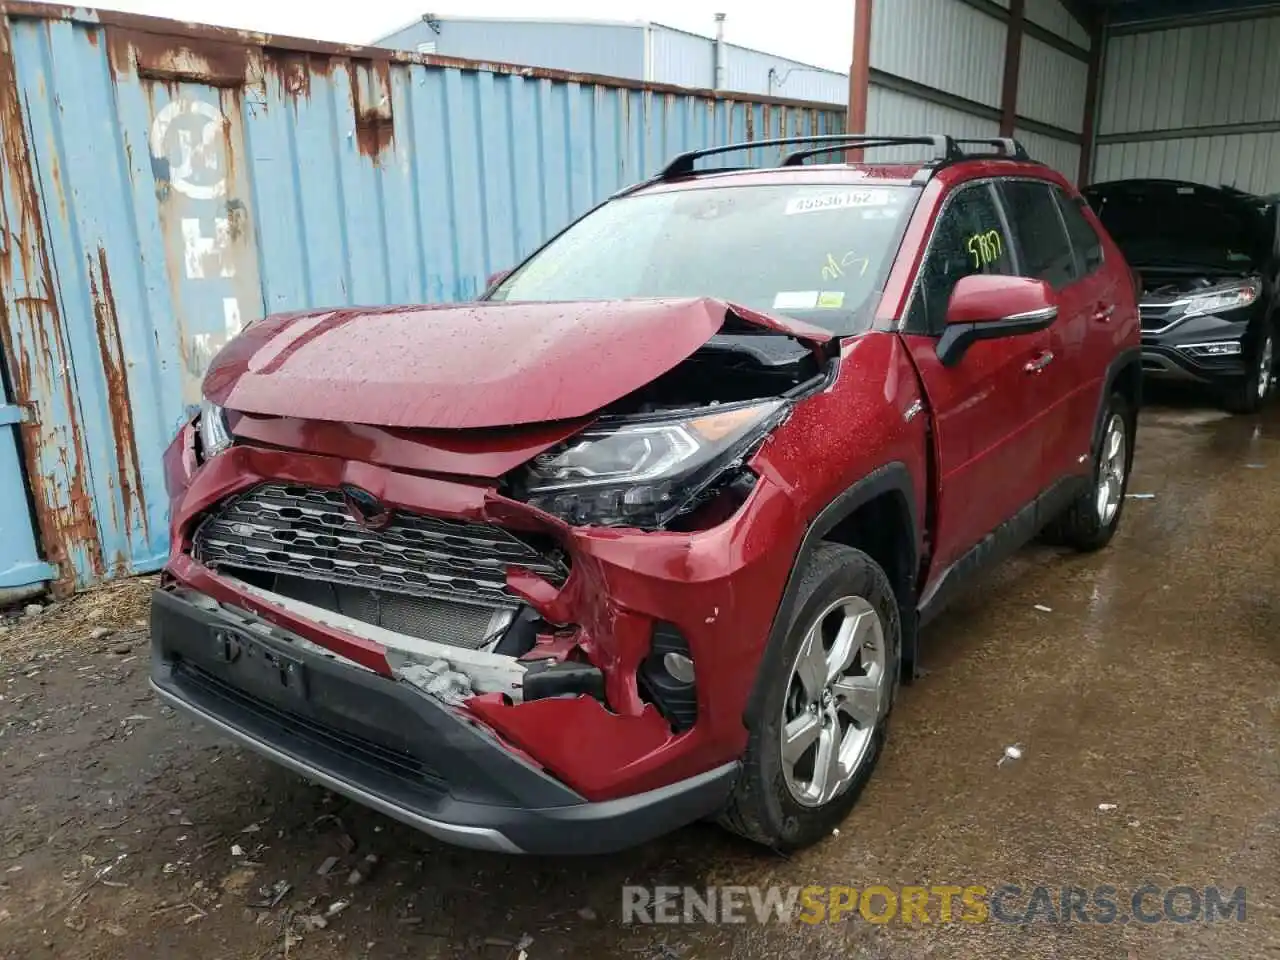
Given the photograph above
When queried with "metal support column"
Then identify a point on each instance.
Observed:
(859, 74)
(1012, 61)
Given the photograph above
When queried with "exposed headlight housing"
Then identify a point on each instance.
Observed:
(644, 471)
(1223, 299)
(215, 436)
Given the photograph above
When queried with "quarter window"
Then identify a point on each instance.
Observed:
(969, 239)
(1039, 232)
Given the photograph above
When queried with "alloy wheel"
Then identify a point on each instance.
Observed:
(1265, 361)
(1111, 470)
(836, 693)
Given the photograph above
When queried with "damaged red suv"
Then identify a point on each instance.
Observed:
(646, 535)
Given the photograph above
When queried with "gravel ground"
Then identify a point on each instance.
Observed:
(1140, 685)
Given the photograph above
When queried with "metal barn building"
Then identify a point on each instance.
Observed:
(633, 50)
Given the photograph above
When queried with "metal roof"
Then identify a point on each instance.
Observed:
(1122, 12)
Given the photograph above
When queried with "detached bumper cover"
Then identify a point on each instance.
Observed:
(388, 746)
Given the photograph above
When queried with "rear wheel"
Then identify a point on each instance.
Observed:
(823, 718)
(1092, 520)
(1250, 394)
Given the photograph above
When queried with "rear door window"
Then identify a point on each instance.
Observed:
(1084, 239)
(1039, 232)
(970, 238)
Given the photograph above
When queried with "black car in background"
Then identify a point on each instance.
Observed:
(1207, 261)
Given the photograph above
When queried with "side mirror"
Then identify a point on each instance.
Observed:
(496, 278)
(984, 307)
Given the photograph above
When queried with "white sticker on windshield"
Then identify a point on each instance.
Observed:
(838, 201)
(796, 300)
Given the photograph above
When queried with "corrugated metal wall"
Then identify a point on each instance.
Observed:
(682, 58)
(20, 563)
(891, 112)
(1197, 103)
(164, 185)
(1062, 155)
(943, 44)
(938, 65)
(1248, 161)
(1051, 85)
(1198, 76)
(1057, 19)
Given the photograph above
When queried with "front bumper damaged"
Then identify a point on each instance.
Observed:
(387, 745)
(614, 758)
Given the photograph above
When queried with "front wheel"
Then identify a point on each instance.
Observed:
(823, 717)
(1250, 394)
(1092, 520)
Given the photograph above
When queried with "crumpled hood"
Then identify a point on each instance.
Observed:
(467, 366)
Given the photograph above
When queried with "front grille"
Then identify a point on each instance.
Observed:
(1154, 318)
(457, 624)
(308, 532)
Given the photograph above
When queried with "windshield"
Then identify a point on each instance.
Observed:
(813, 252)
(1181, 225)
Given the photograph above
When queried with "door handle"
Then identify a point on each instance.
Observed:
(1039, 363)
(1103, 314)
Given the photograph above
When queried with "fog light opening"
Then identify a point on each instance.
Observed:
(1221, 348)
(679, 666)
(666, 677)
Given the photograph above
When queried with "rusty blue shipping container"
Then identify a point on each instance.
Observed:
(162, 185)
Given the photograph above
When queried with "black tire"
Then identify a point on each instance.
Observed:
(1249, 395)
(1080, 526)
(762, 807)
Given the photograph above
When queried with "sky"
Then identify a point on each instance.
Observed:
(813, 31)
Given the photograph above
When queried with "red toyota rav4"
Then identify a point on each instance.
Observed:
(647, 534)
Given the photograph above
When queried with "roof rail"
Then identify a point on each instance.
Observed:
(945, 148)
(946, 151)
(1007, 146)
(798, 157)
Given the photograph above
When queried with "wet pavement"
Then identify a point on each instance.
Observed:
(1140, 687)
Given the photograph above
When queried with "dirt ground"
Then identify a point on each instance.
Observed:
(1141, 686)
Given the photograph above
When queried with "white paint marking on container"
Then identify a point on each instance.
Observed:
(191, 154)
(196, 247)
(231, 315)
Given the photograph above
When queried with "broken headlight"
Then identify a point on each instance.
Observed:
(214, 433)
(644, 471)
